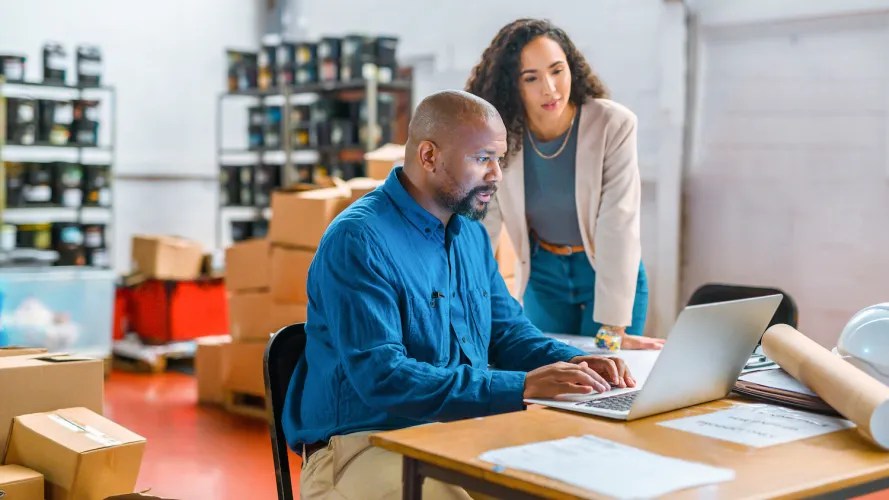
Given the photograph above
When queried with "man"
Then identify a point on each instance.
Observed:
(407, 310)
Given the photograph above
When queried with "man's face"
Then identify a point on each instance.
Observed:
(471, 167)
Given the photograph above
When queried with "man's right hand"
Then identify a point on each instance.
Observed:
(549, 381)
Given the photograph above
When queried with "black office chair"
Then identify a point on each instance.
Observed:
(282, 354)
(787, 312)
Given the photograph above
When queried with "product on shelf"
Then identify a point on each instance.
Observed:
(89, 66)
(236, 185)
(97, 185)
(68, 184)
(329, 59)
(356, 51)
(55, 63)
(245, 230)
(7, 237)
(256, 127)
(21, 121)
(266, 178)
(55, 119)
(67, 239)
(306, 63)
(298, 174)
(85, 126)
(285, 63)
(29, 184)
(242, 70)
(272, 127)
(94, 236)
(37, 236)
(267, 76)
(384, 58)
(12, 67)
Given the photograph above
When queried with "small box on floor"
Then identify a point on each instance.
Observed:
(82, 455)
(244, 368)
(254, 316)
(35, 383)
(289, 271)
(17, 482)
(379, 163)
(167, 257)
(360, 186)
(300, 219)
(247, 265)
(210, 367)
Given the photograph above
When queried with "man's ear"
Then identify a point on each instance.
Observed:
(429, 152)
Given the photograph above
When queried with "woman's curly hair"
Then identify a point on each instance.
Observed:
(496, 78)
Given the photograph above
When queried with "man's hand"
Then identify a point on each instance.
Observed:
(613, 370)
(631, 342)
(563, 378)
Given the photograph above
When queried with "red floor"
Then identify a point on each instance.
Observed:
(193, 452)
(199, 452)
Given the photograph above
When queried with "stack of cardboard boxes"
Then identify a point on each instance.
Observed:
(266, 282)
(54, 442)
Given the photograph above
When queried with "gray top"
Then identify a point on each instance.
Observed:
(550, 204)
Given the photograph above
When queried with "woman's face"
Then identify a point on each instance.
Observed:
(544, 80)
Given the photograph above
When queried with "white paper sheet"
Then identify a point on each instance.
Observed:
(777, 379)
(759, 425)
(607, 467)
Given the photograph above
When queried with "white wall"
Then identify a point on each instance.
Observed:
(637, 47)
(787, 182)
(167, 60)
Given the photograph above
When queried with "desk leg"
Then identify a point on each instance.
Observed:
(413, 480)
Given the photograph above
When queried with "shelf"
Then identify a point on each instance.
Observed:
(57, 146)
(34, 215)
(46, 153)
(322, 87)
(95, 215)
(242, 213)
(52, 85)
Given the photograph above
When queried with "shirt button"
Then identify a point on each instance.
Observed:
(427, 229)
(453, 294)
(464, 340)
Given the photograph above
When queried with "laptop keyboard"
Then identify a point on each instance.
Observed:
(621, 402)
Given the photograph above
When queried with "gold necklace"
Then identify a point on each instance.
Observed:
(561, 148)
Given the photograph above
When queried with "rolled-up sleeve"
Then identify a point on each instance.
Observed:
(360, 299)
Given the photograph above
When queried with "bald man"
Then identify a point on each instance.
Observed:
(409, 320)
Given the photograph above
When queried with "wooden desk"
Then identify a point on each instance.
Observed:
(836, 465)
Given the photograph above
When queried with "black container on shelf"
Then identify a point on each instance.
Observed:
(267, 75)
(241, 230)
(259, 228)
(21, 121)
(256, 127)
(285, 63)
(384, 58)
(29, 184)
(306, 63)
(272, 127)
(302, 137)
(15, 180)
(55, 63)
(329, 48)
(89, 66)
(36, 235)
(245, 186)
(85, 126)
(55, 120)
(300, 114)
(329, 59)
(67, 184)
(346, 171)
(343, 133)
(298, 174)
(96, 185)
(67, 239)
(12, 67)
(228, 185)
(266, 178)
(97, 257)
(242, 70)
(94, 236)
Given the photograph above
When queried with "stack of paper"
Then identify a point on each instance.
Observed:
(607, 467)
(777, 386)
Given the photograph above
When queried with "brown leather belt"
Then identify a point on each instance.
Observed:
(557, 249)
(310, 449)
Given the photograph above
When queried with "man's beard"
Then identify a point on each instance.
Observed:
(465, 206)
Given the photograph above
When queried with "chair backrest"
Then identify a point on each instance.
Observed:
(282, 354)
(718, 292)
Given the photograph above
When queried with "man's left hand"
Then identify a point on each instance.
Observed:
(613, 370)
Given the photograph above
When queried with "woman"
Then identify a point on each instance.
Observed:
(570, 195)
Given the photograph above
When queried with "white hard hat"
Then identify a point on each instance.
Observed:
(865, 341)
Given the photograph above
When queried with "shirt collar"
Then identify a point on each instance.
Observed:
(419, 217)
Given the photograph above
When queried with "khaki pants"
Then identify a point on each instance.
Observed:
(350, 468)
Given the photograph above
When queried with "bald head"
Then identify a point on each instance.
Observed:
(441, 116)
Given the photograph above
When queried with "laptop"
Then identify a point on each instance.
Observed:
(701, 360)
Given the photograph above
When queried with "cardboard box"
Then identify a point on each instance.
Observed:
(167, 257)
(247, 265)
(245, 371)
(379, 162)
(19, 351)
(209, 368)
(506, 257)
(17, 482)
(254, 316)
(300, 219)
(41, 382)
(289, 271)
(82, 455)
(360, 186)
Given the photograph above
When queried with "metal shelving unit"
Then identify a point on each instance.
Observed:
(286, 156)
(45, 152)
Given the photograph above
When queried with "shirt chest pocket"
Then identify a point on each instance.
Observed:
(480, 310)
(428, 336)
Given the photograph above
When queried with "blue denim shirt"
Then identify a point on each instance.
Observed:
(404, 318)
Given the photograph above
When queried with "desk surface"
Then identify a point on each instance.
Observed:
(802, 468)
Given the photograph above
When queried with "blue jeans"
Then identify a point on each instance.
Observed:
(561, 294)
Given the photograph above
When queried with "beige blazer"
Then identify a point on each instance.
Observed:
(608, 193)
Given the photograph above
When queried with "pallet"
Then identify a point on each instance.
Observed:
(131, 355)
(248, 405)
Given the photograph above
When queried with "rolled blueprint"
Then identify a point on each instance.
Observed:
(853, 393)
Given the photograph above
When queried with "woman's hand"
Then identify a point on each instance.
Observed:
(638, 342)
